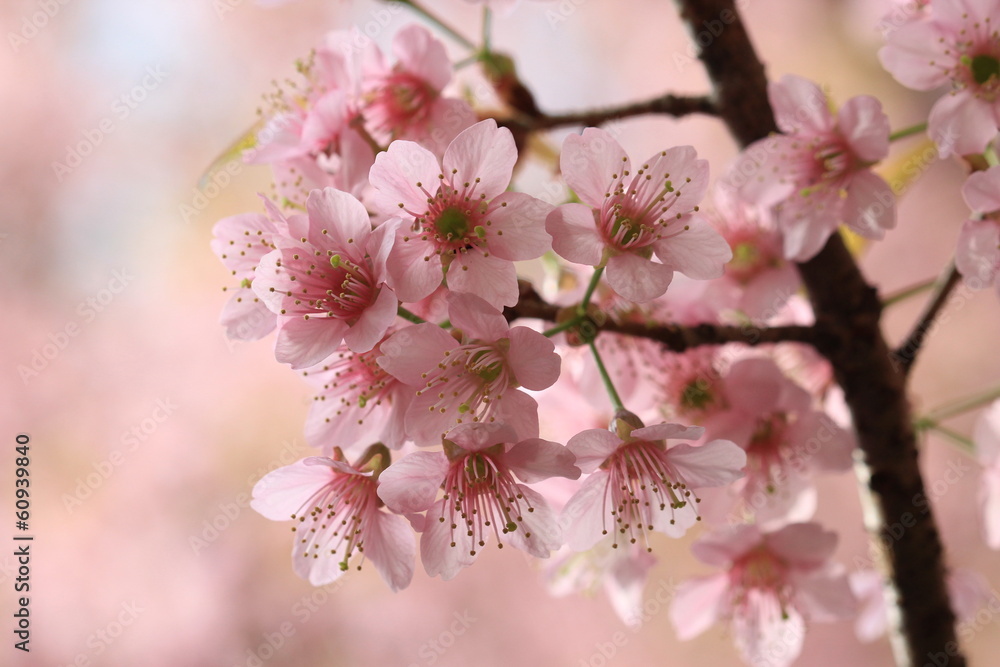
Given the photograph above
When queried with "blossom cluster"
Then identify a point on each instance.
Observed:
(387, 269)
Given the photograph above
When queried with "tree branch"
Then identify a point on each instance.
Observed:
(906, 353)
(671, 105)
(675, 337)
(848, 315)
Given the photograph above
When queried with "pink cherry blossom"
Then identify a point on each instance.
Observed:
(240, 241)
(477, 470)
(628, 216)
(458, 220)
(987, 440)
(817, 174)
(978, 254)
(785, 439)
(638, 484)
(325, 280)
(404, 100)
(956, 45)
(689, 384)
(358, 402)
(773, 582)
(336, 510)
(475, 379)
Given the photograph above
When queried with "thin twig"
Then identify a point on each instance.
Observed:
(906, 353)
(670, 105)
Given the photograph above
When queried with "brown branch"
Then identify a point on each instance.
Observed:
(848, 313)
(906, 353)
(670, 105)
(675, 337)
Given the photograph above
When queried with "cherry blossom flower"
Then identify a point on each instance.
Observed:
(357, 403)
(458, 219)
(475, 379)
(818, 173)
(772, 584)
(404, 100)
(638, 484)
(986, 437)
(956, 45)
(785, 439)
(240, 241)
(477, 470)
(325, 280)
(978, 254)
(337, 514)
(628, 216)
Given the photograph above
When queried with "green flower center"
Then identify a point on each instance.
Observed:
(984, 68)
(452, 223)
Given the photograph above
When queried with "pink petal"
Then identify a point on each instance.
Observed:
(592, 447)
(825, 597)
(397, 172)
(518, 231)
(414, 268)
(536, 459)
(716, 463)
(583, 518)
(723, 547)
(342, 216)
(417, 51)
(754, 386)
(390, 546)
(989, 502)
(910, 50)
(981, 190)
(681, 167)
(483, 157)
(283, 492)
(698, 251)
(538, 532)
(961, 124)
(870, 207)
(761, 174)
(436, 552)
(574, 234)
(476, 318)
(666, 431)
(591, 163)
(520, 412)
(804, 545)
(865, 127)
(412, 351)
(491, 278)
(977, 255)
(478, 436)
(800, 106)
(411, 484)
(638, 279)
(303, 342)
(765, 633)
(532, 359)
(246, 317)
(698, 604)
(373, 323)
(821, 443)
(986, 435)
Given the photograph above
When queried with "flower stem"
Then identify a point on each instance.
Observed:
(487, 29)
(908, 131)
(594, 280)
(433, 18)
(616, 400)
(967, 445)
(562, 326)
(962, 405)
(407, 315)
(907, 292)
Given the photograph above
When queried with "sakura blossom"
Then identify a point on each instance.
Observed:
(817, 174)
(639, 484)
(956, 45)
(477, 470)
(977, 256)
(626, 217)
(772, 584)
(338, 515)
(240, 241)
(357, 403)
(786, 440)
(458, 221)
(326, 280)
(476, 378)
(986, 437)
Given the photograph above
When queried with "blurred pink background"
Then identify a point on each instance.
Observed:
(150, 556)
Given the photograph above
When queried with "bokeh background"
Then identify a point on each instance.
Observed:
(149, 429)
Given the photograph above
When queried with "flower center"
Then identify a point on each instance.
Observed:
(452, 224)
(984, 67)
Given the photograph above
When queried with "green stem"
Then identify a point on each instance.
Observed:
(616, 400)
(412, 317)
(962, 405)
(908, 131)
(907, 292)
(967, 445)
(433, 18)
(487, 29)
(594, 280)
(563, 326)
